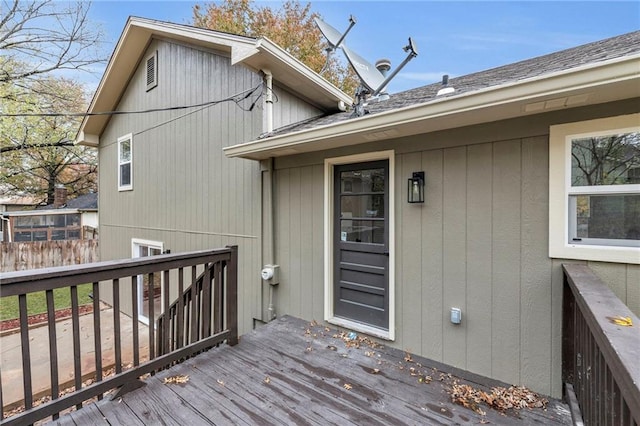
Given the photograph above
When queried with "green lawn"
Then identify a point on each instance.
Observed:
(37, 302)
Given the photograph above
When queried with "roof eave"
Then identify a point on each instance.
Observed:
(256, 54)
(590, 84)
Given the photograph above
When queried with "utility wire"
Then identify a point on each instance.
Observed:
(235, 98)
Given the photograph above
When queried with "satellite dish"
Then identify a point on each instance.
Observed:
(333, 36)
(372, 81)
(369, 75)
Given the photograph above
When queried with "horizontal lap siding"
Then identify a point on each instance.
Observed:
(186, 193)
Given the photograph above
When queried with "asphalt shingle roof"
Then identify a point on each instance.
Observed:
(599, 51)
(83, 202)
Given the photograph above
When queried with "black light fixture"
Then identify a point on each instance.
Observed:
(416, 188)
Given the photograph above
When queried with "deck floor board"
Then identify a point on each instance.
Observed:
(295, 373)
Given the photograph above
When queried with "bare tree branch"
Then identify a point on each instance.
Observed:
(45, 36)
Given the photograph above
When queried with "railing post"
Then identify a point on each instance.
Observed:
(232, 296)
(568, 332)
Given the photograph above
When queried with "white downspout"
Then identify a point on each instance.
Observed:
(268, 98)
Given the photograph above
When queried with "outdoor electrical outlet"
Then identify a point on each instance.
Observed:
(456, 315)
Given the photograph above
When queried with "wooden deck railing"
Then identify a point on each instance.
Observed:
(600, 360)
(207, 308)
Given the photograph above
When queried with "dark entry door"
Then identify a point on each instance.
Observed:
(361, 243)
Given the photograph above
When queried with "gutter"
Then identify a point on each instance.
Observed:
(577, 80)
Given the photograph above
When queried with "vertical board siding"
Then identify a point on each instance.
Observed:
(317, 242)
(431, 241)
(479, 212)
(205, 199)
(289, 109)
(409, 297)
(535, 279)
(632, 298)
(506, 261)
(454, 253)
(479, 242)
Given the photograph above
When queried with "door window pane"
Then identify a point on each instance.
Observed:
(358, 181)
(362, 206)
(362, 231)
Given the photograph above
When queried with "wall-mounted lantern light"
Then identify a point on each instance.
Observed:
(416, 188)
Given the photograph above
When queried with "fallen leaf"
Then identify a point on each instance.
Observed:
(176, 379)
(623, 321)
(375, 370)
(347, 386)
(220, 382)
(267, 380)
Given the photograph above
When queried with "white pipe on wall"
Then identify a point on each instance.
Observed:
(268, 98)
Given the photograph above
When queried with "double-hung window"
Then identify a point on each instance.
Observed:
(125, 163)
(594, 190)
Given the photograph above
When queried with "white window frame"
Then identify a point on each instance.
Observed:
(136, 244)
(129, 186)
(329, 164)
(560, 137)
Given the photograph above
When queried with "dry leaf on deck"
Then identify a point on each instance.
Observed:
(347, 386)
(623, 321)
(176, 379)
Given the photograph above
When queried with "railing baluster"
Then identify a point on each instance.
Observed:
(75, 321)
(97, 337)
(194, 306)
(53, 347)
(151, 315)
(197, 312)
(206, 301)
(165, 308)
(26, 354)
(136, 322)
(117, 340)
(605, 378)
(180, 313)
(232, 296)
(217, 297)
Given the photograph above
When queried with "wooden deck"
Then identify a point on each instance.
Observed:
(293, 372)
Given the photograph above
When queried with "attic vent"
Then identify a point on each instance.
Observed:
(152, 71)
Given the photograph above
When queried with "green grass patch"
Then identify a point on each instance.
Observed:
(37, 302)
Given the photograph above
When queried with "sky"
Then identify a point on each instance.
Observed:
(454, 38)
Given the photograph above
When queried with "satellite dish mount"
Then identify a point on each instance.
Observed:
(372, 81)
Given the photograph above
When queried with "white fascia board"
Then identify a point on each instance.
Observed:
(87, 139)
(287, 60)
(553, 84)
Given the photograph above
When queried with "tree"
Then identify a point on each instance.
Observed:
(37, 152)
(291, 27)
(45, 37)
(40, 42)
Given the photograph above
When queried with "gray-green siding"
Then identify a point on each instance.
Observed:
(186, 193)
(479, 242)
